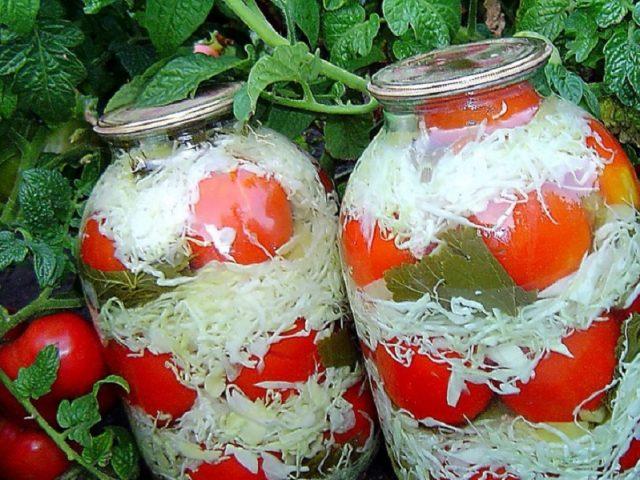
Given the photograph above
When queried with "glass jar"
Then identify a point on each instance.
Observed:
(491, 249)
(209, 262)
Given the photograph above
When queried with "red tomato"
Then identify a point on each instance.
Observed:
(327, 183)
(421, 388)
(359, 396)
(631, 457)
(368, 263)
(289, 360)
(227, 469)
(537, 250)
(27, 454)
(561, 383)
(505, 107)
(81, 360)
(257, 208)
(485, 474)
(154, 386)
(97, 250)
(618, 182)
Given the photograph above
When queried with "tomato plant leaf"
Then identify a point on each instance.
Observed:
(180, 78)
(124, 455)
(306, 15)
(45, 199)
(19, 15)
(461, 266)
(338, 22)
(12, 250)
(347, 137)
(610, 12)
(622, 68)
(8, 101)
(36, 380)
(355, 42)
(92, 7)
(287, 63)
(584, 29)
(78, 416)
(568, 85)
(333, 4)
(48, 263)
(171, 22)
(543, 16)
(426, 17)
(98, 449)
(288, 122)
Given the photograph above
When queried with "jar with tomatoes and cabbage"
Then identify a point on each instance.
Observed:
(491, 249)
(209, 263)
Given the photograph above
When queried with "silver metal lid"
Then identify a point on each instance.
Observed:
(459, 69)
(136, 122)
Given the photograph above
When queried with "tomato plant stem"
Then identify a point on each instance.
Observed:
(472, 18)
(256, 21)
(42, 303)
(56, 436)
(321, 107)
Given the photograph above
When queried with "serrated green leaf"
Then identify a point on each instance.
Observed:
(46, 71)
(110, 380)
(306, 15)
(636, 13)
(543, 16)
(347, 137)
(12, 250)
(124, 455)
(180, 78)
(287, 63)
(591, 99)
(171, 22)
(422, 16)
(566, 83)
(584, 29)
(45, 199)
(407, 45)
(48, 263)
(129, 92)
(36, 380)
(356, 42)
(617, 62)
(19, 15)
(78, 416)
(287, 121)
(98, 449)
(610, 12)
(133, 57)
(461, 266)
(338, 22)
(92, 7)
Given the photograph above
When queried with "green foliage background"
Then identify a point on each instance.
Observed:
(305, 63)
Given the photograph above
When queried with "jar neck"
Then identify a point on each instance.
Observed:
(501, 107)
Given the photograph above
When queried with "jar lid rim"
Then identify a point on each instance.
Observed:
(459, 69)
(128, 122)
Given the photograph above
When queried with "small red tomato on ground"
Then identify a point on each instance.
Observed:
(538, 247)
(292, 359)
(368, 261)
(631, 457)
(29, 454)
(153, 385)
(97, 250)
(227, 469)
(256, 208)
(421, 388)
(81, 360)
(618, 182)
(561, 383)
(359, 396)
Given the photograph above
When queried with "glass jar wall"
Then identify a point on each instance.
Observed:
(209, 264)
(491, 249)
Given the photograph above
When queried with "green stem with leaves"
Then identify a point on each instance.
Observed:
(42, 303)
(256, 21)
(56, 436)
